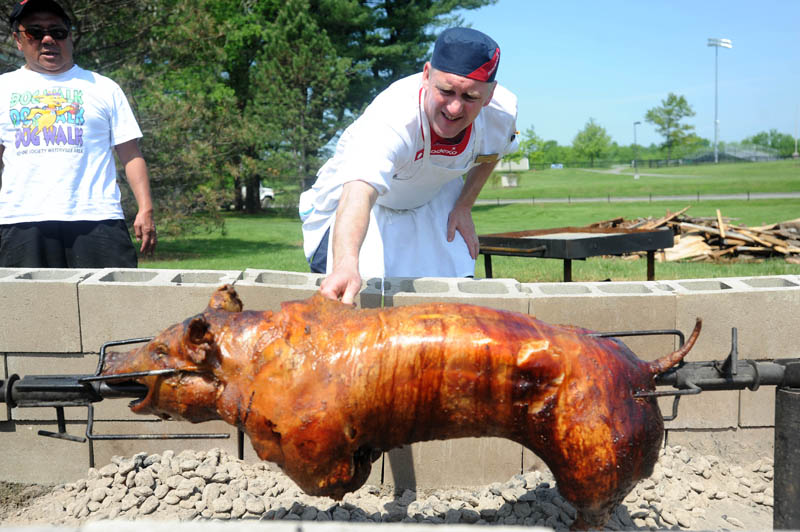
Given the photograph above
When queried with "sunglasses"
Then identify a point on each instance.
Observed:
(37, 34)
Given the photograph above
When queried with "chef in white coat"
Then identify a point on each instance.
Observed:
(396, 198)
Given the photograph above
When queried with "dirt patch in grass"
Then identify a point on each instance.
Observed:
(15, 496)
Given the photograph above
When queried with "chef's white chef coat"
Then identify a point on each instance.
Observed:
(389, 147)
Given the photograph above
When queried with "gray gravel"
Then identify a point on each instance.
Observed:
(686, 491)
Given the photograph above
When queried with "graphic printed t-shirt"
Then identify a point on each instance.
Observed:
(58, 132)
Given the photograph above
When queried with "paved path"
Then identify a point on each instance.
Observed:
(617, 170)
(651, 198)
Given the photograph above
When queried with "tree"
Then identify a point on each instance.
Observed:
(231, 91)
(667, 120)
(530, 146)
(300, 91)
(184, 106)
(592, 141)
(385, 40)
(168, 64)
(781, 142)
(551, 152)
(692, 144)
(304, 69)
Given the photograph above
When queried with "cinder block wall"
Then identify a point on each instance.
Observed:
(55, 322)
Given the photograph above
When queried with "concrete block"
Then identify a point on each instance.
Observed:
(613, 307)
(531, 462)
(117, 304)
(757, 409)
(51, 364)
(763, 309)
(105, 449)
(502, 294)
(267, 289)
(6, 272)
(5, 410)
(30, 458)
(610, 307)
(734, 446)
(375, 477)
(39, 310)
(708, 410)
(458, 462)
(769, 282)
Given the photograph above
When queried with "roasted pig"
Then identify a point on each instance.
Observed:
(321, 388)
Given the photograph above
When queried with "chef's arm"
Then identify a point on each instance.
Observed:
(460, 218)
(350, 228)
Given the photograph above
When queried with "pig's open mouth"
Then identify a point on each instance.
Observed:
(182, 393)
(138, 403)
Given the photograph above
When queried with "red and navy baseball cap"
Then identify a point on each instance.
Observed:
(26, 7)
(466, 52)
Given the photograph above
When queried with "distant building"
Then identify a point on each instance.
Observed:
(513, 166)
(736, 154)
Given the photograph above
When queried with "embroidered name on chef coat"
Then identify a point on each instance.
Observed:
(488, 158)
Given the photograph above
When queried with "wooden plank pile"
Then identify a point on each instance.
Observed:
(718, 238)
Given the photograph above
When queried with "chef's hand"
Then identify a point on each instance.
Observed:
(342, 284)
(144, 227)
(460, 220)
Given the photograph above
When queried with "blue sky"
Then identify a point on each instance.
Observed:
(612, 60)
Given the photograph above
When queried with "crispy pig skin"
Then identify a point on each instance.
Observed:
(321, 388)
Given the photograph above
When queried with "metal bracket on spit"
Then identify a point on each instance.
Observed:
(62, 428)
(691, 379)
(92, 436)
(91, 381)
(730, 366)
(691, 388)
(86, 400)
(49, 390)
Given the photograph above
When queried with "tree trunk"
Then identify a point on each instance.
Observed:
(238, 204)
(252, 201)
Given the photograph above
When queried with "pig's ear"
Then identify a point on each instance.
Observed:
(225, 298)
(198, 340)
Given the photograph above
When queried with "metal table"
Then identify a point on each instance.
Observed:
(569, 243)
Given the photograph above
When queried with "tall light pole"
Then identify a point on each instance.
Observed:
(635, 152)
(796, 155)
(717, 44)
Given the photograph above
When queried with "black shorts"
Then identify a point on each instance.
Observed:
(55, 244)
(319, 260)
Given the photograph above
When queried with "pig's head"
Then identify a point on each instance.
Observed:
(191, 350)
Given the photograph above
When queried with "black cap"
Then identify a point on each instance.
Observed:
(27, 7)
(466, 52)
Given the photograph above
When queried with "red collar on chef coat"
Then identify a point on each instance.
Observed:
(440, 146)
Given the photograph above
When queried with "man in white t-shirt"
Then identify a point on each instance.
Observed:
(395, 200)
(59, 200)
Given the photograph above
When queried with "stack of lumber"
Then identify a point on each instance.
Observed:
(712, 239)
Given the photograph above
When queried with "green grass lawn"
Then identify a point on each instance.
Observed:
(496, 219)
(263, 241)
(731, 178)
(523, 216)
(275, 242)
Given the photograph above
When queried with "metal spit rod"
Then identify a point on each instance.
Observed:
(60, 391)
(688, 378)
